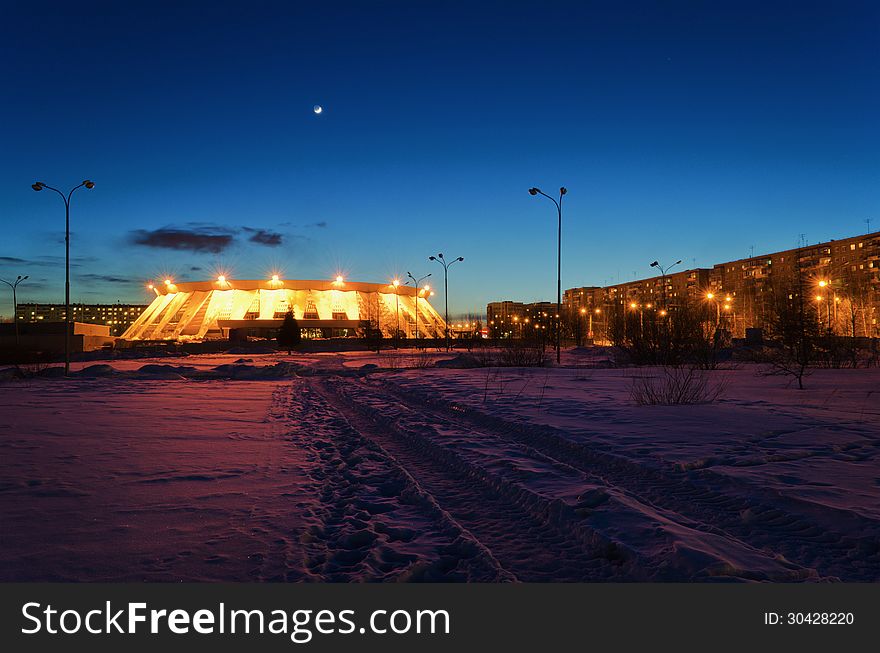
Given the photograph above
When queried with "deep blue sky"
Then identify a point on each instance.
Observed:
(689, 130)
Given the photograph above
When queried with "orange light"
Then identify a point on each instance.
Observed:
(221, 279)
(818, 298)
(167, 282)
(396, 283)
(339, 279)
(709, 295)
(823, 283)
(274, 278)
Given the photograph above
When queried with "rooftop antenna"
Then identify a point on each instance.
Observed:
(868, 222)
(802, 240)
(751, 251)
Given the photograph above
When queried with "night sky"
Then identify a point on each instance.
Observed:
(682, 130)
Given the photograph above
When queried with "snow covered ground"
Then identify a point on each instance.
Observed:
(233, 467)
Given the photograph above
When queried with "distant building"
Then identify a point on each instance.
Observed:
(118, 317)
(48, 337)
(509, 319)
(840, 280)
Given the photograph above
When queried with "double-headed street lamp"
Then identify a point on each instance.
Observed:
(417, 283)
(562, 191)
(442, 261)
(663, 272)
(38, 186)
(14, 286)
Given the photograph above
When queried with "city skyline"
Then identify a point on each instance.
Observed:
(436, 154)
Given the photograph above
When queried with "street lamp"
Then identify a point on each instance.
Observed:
(562, 191)
(417, 282)
(711, 297)
(38, 186)
(663, 272)
(396, 284)
(14, 286)
(442, 261)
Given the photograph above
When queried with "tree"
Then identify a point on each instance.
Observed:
(795, 329)
(289, 335)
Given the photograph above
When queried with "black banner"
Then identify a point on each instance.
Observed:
(206, 617)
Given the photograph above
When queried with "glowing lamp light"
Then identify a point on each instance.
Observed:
(818, 298)
(167, 282)
(339, 279)
(709, 295)
(823, 283)
(274, 278)
(395, 283)
(221, 279)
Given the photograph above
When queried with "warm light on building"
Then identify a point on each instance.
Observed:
(256, 308)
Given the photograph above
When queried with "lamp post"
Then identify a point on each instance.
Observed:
(442, 261)
(711, 297)
(396, 284)
(417, 283)
(663, 272)
(14, 286)
(38, 186)
(583, 312)
(562, 191)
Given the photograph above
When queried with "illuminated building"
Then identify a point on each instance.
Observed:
(232, 308)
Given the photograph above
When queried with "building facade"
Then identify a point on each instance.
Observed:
(324, 309)
(509, 319)
(839, 279)
(118, 317)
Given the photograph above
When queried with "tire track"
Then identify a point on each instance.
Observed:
(535, 540)
(369, 520)
(834, 542)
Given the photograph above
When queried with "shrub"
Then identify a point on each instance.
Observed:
(674, 386)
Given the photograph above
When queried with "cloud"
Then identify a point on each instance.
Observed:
(47, 261)
(264, 237)
(106, 278)
(206, 238)
(321, 225)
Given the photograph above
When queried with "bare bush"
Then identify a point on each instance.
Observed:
(522, 354)
(676, 385)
